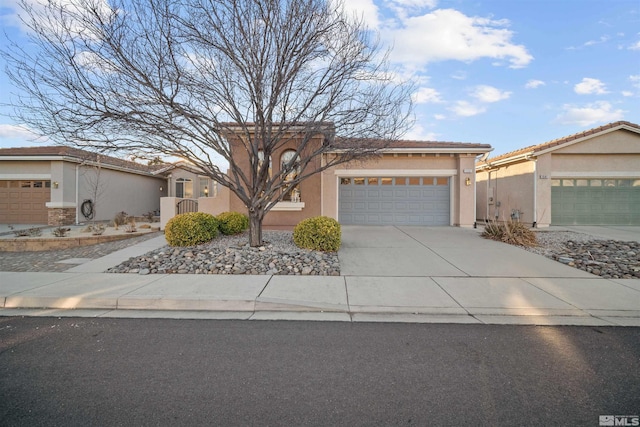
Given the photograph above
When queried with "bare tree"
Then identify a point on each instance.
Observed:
(95, 184)
(184, 77)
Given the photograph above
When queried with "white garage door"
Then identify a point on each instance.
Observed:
(394, 200)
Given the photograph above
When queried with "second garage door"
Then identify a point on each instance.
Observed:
(394, 200)
(595, 202)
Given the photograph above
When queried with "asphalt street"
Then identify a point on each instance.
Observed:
(81, 371)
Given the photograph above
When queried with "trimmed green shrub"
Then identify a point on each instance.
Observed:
(319, 233)
(191, 228)
(232, 222)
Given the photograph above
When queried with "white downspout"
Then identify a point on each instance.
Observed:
(482, 158)
(535, 190)
(78, 193)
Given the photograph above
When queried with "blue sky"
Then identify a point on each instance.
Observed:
(509, 73)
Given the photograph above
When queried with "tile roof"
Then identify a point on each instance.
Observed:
(561, 141)
(410, 144)
(76, 153)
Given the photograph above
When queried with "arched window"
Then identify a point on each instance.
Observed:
(184, 188)
(288, 161)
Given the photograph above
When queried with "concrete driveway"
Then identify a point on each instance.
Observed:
(439, 252)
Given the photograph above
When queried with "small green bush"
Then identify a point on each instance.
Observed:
(319, 233)
(191, 228)
(232, 222)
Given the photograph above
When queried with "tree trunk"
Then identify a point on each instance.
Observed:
(255, 228)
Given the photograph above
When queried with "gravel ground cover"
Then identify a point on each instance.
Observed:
(233, 255)
(609, 259)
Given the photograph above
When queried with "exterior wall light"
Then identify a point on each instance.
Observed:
(467, 182)
(55, 184)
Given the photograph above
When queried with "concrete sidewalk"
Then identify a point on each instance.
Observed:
(390, 274)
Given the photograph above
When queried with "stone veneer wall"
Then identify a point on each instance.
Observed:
(61, 216)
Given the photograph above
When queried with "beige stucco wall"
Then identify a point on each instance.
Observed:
(620, 141)
(117, 191)
(503, 190)
(451, 166)
(25, 170)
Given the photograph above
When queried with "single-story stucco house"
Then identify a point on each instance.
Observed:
(59, 185)
(590, 178)
(409, 183)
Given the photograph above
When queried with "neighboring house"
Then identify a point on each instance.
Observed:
(409, 183)
(63, 185)
(590, 178)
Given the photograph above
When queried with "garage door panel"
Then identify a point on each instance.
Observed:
(24, 201)
(392, 203)
(613, 204)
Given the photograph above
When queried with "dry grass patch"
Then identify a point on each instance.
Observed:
(514, 233)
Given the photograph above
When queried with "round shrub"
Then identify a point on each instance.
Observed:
(191, 228)
(319, 233)
(232, 222)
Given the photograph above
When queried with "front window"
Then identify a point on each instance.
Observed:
(208, 188)
(184, 188)
(292, 194)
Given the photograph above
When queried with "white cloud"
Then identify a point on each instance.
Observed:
(590, 114)
(602, 39)
(18, 136)
(16, 131)
(77, 15)
(488, 94)
(365, 9)
(426, 95)
(447, 34)
(417, 3)
(590, 86)
(418, 133)
(459, 75)
(439, 116)
(405, 8)
(534, 84)
(635, 46)
(467, 109)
